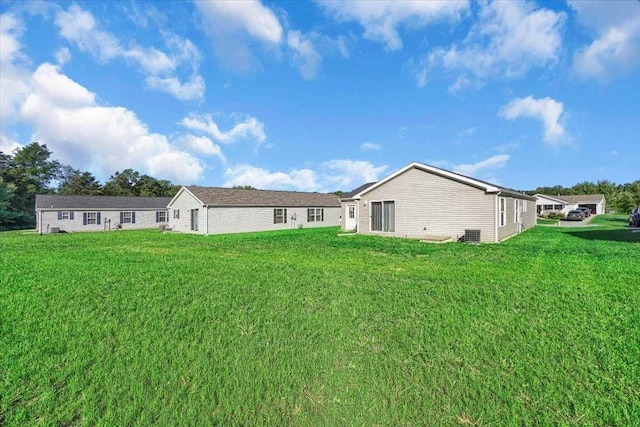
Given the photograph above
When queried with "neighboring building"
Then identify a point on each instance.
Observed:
(422, 201)
(99, 213)
(563, 204)
(208, 210)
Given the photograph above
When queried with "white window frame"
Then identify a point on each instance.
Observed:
(351, 211)
(66, 215)
(92, 218)
(502, 212)
(382, 202)
(524, 206)
(516, 211)
(127, 217)
(279, 216)
(163, 216)
(176, 214)
(315, 214)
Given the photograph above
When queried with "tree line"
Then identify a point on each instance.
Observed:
(30, 170)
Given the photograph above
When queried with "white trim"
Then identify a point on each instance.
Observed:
(436, 171)
(500, 199)
(182, 190)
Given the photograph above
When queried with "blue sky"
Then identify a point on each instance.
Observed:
(326, 95)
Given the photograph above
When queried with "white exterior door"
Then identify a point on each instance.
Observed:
(351, 221)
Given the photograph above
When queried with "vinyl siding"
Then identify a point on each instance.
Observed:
(184, 203)
(249, 219)
(108, 220)
(527, 219)
(428, 204)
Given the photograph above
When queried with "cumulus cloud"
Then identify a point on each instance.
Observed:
(203, 145)
(330, 176)
(547, 110)
(370, 146)
(508, 39)
(13, 86)
(79, 27)
(382, 19)
(250, 129)
(472, 169)
(7, 145)
(66, 116)
(616, 49)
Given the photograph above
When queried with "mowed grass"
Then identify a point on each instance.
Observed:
(303, 327)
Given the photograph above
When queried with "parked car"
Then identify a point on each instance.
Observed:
(575, 215)
(634, 218)
(586, 211)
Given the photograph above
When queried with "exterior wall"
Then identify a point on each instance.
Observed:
(527, 219)
(249, 219)
(184, 203)
(427, 204)
(541, 201)
(344, 215)
(108, 220)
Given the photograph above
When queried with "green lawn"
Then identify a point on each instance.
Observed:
(546, 221)
(303, 327)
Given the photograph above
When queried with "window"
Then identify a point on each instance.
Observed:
(162, 216)
(517, 206)
(524, 206)
(352, 212)
(127, 217)
(176, 214)
(65, 215)
(557, 207)
(315, 215)
(279, 216)
(502, 220)
(548, 207)
(383, 216)
(90, 218)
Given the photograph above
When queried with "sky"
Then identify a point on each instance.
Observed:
(326, 95)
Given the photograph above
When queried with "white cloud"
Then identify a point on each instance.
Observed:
(330, 176)
(493, 162)
(250, 16)
(80, 27)
(508, 39)
(62, 56)
(349, 174)
(616, 50)
(250, 129)
(7, 145)
(547, 110)
(65, 116)
(305, 54)
(370, 146)
(381, 19)
(13, 87)
(203, 145)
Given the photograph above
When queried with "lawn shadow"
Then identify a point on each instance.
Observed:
(615, 235)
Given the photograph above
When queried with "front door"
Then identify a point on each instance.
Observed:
(194, 219)
(351, 221)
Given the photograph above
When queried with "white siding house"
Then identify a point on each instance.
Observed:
(209, 210)
(422, 201)
(56, 213)
(546, 204)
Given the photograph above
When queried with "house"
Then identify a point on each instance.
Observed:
(546, 204)
(426, 202)
(99, 213)
(212, 210)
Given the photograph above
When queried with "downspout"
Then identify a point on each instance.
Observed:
(496, 218)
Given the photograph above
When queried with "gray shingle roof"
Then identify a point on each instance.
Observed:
(581, 198)
(363, 187)
(50, 201)
(216, 196)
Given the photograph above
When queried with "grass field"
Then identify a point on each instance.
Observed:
(303, 327)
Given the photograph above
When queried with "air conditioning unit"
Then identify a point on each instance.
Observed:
(472, 236)
(54, 230)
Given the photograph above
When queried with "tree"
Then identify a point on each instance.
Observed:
(244, 187)
(74, 182)
(122, 183)
(8, 215)
(30, 172)
(148, 186)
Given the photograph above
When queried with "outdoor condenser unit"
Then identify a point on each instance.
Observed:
(472, 236)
